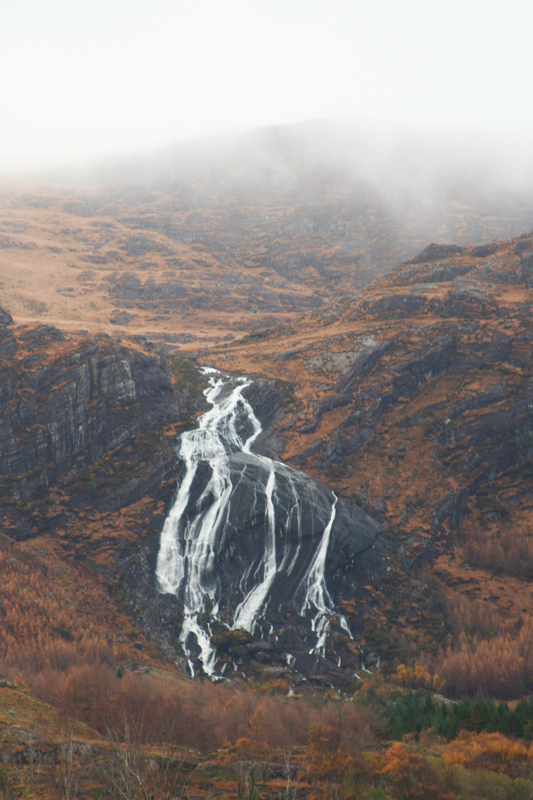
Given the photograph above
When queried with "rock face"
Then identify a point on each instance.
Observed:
(437, 252)
(252, 544)
(5, 317)
(62, 410)
(235, 293)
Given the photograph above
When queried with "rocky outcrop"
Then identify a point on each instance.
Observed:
(5, 317)
(397, 303)
(231, 293)
(283, 552)
(61, 412)
(436, 252)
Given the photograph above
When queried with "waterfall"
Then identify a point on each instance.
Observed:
(216, 459)
(316, 593)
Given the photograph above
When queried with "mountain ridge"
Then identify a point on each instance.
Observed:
(215, 243)
(410, 398)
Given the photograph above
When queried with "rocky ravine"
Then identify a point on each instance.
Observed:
(411, 399)
(88, 459)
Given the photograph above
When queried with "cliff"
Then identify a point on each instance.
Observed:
(68, 403)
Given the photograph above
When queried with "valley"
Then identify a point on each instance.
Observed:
(266, 455)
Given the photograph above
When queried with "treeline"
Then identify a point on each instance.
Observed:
(501, 666)
(417, 711)
(85, 681)
(505, 554)
(324, 746)
(476, 765)
(482, 765)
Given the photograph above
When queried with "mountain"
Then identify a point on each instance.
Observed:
(329, 516)
(411, 399)
(395, 396)
(212, 239)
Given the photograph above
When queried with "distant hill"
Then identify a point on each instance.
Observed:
(243, 231)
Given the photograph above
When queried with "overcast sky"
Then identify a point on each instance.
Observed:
(93, 77)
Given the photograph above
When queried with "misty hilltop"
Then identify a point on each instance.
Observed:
(248, 230)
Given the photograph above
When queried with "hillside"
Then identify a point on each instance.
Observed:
(410, 398)
(413, 398)
(214, 239)
(365, 472)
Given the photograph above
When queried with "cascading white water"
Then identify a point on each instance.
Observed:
(316, 592)
(186, 564)
(185, 560)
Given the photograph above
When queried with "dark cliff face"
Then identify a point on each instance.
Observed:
(254, 548)
(65, 404)
(77, 410)
(303, 508)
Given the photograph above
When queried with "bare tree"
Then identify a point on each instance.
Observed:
(66, 776)
(6, 784)
(31, 738)
(293, 773)
(137, 770)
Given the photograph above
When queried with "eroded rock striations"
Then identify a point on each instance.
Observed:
(252, 544)
(64, 405)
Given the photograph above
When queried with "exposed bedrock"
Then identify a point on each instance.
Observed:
(62, 417)
(303, 509)
(88, 419)
(252, 545)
